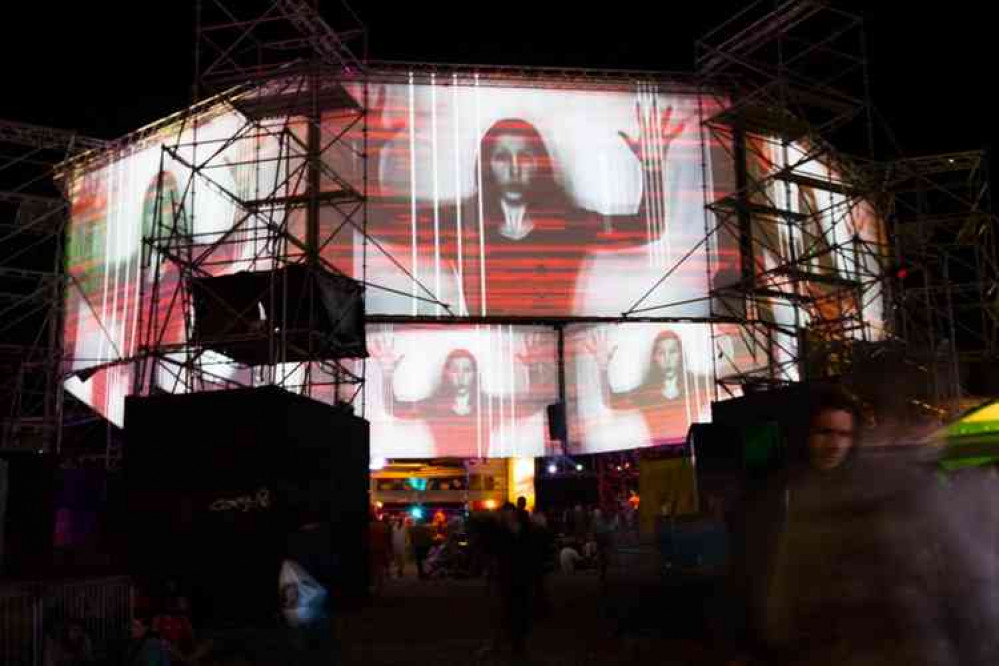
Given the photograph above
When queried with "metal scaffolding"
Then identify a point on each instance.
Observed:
(947, 294)
(800, 290)
(295, 89)
(33, 215)
(790, 81)
(809, 291)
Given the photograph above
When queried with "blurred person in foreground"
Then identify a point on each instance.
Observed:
(307, 587)
(515, 555)
(843, 557)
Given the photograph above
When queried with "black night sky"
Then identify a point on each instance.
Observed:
(110, 67)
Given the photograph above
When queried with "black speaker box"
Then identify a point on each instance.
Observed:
(216, 482)
(316, 313)
(556, 421)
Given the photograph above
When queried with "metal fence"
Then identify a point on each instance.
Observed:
(29, 612)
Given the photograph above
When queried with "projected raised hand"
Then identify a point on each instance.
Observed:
(662, 373)
(656, 136)
(535, 349)
(381, 347)
(596, 343)
(536, 355)
(386, 124)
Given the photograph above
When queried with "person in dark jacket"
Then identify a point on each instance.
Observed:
(422, 540)
(846, 565)
(517, 568)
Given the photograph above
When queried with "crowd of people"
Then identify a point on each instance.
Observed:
(832, 557)
(577, 538)
(838, 555)
(161, 634)
(512, 548)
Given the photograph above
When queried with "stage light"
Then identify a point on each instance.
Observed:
(579, 468)
(379, 505)
(416, 512)
(489, 504)
(377, 464)
(552, 469)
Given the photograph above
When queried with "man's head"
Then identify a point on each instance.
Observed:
(521, 503)
(509, 518)
(832, 430)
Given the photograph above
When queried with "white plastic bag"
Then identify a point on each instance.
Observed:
(302, 597)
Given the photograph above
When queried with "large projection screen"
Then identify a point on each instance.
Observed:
(534, 202)
(636, 385)
(463, 391)
(496, 210)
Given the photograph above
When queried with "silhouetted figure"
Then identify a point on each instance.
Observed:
(516, 571)
(380, 551)
(580, 523)
(400, 544)
(422, 540)
(544, 544)
(523, 514)
(604, 540)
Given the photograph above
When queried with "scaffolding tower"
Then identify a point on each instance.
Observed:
(293, 91)
(947, 294)
(33, 215)
(791, 81)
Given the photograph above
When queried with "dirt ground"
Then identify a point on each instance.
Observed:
(635, 617)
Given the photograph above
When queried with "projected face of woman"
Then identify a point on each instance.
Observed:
(513, 163)
(667, 357)
(460, 374)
